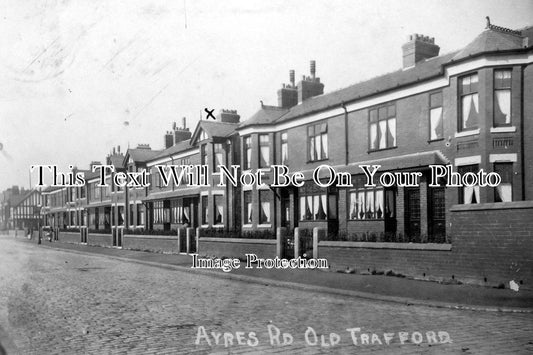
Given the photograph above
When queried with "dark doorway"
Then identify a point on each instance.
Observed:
(412, 212)
(436, 215)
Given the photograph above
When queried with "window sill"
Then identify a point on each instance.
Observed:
(472, 132)
(247, 225)
(435, 140)
(505, 129)
(264, 225)
(368, 220)
(218, 226)
(317, 160)
(380, 150)
(313, 220)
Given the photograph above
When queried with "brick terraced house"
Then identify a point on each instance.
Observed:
(471, 109)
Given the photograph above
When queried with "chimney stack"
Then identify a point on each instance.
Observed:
(418, 48)
(310, 86)
(229, 116)
(181, 133)
(169, 139)
(288, 94)
(291, 77)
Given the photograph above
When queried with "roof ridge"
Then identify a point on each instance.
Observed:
(503, 29)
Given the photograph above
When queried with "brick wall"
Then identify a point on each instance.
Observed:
(102, 240)
(69, 237)
(491, 244)
(237, 248)
(154, 243)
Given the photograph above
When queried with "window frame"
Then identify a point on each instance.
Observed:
(371, 122)
(511, 173)
(504, 88)
(247, 152)
(284, 145)
(263, 144)
(461, 94)
(431, 108)
(317, 132)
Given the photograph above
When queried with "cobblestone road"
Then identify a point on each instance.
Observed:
(59, 302)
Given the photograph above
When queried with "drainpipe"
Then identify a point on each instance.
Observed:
(346, 156)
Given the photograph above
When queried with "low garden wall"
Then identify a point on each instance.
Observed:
(491, 244)
(69, 237)
(154, 243)
(99, 239)
(237, 247)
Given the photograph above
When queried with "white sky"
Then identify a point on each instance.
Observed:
(72, 72)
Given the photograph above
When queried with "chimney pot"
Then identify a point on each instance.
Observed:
(184, 122)
(291, 77)
(313, 69)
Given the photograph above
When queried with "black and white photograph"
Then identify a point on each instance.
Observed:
(259, 177)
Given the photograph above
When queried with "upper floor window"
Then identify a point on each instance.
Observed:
(502, 98)
(382, 127)
(203, 154)
(247, 152)
(219, 154)
(264, 150)
(284, 148)
(435, 116)
(504, 191)
(317, 141)
(469, 102)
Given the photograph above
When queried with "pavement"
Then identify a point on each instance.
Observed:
(375, 287)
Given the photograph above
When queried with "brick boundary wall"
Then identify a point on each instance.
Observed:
(69, 237)
(237, 247)
(101, 240)
(492, 244)
(153, 243)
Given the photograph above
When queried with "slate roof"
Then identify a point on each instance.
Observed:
(218, 129)
(267, 114)
(176, 148)
(493, 39)
(142, 155)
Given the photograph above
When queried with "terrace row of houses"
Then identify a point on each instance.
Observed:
(472, 109)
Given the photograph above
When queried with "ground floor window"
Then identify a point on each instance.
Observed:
(368, 203)
(313, 203)
(140, 215)
(504, 191)
(248, 212)
(158, 212)
(205, 210)
(265, 197)
(468, 194)
(219, 210)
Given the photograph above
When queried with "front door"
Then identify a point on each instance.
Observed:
(412, 212)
